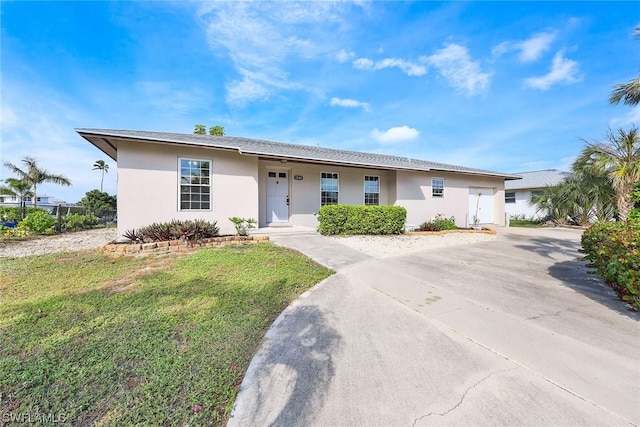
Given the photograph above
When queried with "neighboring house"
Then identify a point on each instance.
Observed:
(518, 194)
(162, 176)
(8, 200)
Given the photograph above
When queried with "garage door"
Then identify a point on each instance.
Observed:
(481, 201)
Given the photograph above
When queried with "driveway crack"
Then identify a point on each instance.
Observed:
(454, 407)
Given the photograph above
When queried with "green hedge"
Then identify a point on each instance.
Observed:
(15, 213)
(614, 251)
(358, 219)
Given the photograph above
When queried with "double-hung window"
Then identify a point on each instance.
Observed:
(437, 187)
(371, 190)
(510, 197)
(329, 188)
(195, 185)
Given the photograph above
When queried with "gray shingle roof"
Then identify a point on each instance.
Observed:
(536, 179)
(106, 140)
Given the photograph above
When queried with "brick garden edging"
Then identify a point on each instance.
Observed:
(170, 246)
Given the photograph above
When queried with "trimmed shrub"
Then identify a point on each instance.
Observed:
(613, 249)
(78, 221)
(359, 219)
(174, 230)
(38, 222)
(439, 223)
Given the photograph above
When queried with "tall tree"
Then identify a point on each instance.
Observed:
(628, 93)
(619, 160)
(216, 130)
(200, 130)
(35, 176)
(18, 188)
(99, 200)
(101, 166)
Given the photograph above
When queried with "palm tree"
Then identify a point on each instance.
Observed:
(34, 176)
(628, 92)
(17, 188)
(619, 160)
(101, 166)
(578, 199)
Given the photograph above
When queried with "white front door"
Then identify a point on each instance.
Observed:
(481, 204)
(277, 196)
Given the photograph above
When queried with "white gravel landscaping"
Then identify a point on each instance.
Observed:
(66, 242)
(386, 246)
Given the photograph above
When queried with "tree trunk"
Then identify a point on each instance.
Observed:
(625, 204)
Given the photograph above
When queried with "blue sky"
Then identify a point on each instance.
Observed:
(505, 86)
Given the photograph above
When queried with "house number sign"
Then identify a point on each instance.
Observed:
(298, 177)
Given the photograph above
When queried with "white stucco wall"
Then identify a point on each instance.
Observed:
(148, 185)
(304, 195)
(523, 206)
(414, 193)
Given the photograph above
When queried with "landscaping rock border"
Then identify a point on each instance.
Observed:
(170, 246)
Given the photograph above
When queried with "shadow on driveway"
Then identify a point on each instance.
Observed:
(574, 273)
(548, 246)
(298, 360)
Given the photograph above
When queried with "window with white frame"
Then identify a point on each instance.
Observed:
(195, 184)
(510, 197)
(437, 187)
(371, 190)
(329, 188)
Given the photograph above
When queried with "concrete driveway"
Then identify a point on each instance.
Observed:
(508, 332)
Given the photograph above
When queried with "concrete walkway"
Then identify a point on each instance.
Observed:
(508, 332)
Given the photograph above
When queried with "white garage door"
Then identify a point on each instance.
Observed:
(481, 201)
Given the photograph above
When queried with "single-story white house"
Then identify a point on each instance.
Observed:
(162, 176)
(518, 194)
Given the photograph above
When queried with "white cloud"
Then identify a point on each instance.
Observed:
(455, 65)
(7, 117)
(632, 118)
(260, 37)
(407, 67)
(530, 49)
(343, 56)
(43, 127)
(349, 103)
(562, 71)
(363, 64)
(395, 135)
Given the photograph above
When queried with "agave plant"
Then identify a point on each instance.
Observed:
(133, 235)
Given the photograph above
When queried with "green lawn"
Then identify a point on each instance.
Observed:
(89, 339)
(525, 223)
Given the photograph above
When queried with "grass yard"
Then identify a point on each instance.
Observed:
(525, 223)
(91, 340)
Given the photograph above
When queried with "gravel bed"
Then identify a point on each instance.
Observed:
(374, 246)
(386, 246)
(75, 241)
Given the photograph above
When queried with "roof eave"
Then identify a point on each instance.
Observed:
(110, 149)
